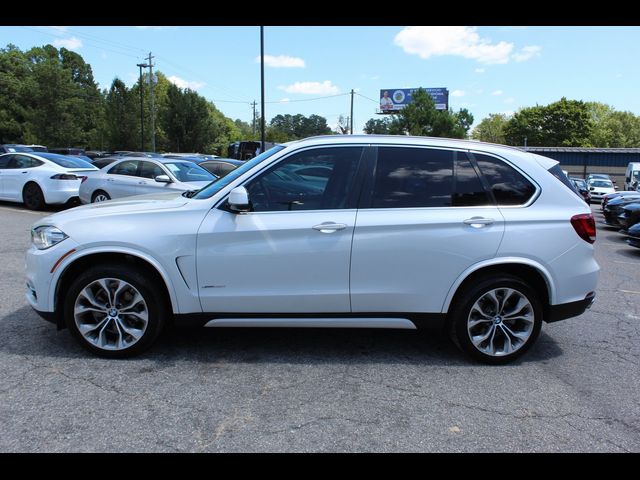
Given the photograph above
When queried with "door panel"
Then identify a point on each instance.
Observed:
(121, 179)
(274, 262)
(291, 253)
(426, 218)
(146, 179)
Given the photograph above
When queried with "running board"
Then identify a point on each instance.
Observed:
(401, 323)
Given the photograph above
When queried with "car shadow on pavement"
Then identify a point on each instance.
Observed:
(47, 208)
(22, 332)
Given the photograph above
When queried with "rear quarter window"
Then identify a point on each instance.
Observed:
(509, 187)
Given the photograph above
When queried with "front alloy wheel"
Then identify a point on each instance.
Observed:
(111, 314)
(116, 310)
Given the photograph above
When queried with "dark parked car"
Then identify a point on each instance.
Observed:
(633, 236)
(93, 154)
(67, 151)
(614, 208)
(103, 162)
(630, 216)
(610, 196)
(221, 166)
(582, 187)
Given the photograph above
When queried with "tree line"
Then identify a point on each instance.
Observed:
(565, 123)
(48, 96)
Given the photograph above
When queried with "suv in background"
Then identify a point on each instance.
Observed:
(347, 231)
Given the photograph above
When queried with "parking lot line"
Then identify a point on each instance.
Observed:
(630, 291)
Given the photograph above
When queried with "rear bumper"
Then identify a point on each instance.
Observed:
(569, 310)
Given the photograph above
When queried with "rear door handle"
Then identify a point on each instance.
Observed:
(478, 222)
(329, 227)
(142, 183)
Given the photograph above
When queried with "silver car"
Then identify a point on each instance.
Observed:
(138, 176)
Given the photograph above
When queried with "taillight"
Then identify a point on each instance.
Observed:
(585, 226)
(64, 176)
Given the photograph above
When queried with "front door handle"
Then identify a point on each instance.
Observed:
(329, 227)
(478, 222)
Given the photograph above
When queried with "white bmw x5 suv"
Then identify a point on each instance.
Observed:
(484, 240)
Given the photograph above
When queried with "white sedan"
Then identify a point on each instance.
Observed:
(138, 176)
(599, 188)
(41, 178)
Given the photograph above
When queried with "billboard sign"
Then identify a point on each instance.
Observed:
(395, 99)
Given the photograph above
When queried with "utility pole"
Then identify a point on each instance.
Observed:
(262, 88)
(351, 118)
(141, 65)
(253, 123)
(153, 111)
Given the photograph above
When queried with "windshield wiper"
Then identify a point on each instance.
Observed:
(190, 193)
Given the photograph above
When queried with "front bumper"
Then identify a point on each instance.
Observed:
(569, 310)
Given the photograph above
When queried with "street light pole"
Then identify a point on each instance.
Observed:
(141, 65)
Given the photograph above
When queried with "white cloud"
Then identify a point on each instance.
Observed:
(312, 88)
(619, 75)
(285, 99)
(151, 27)
(495, 93)
(458, 93)
(460, 41)
(72, 43)
(182, 83)
(282, 61)
(104, 56)
(509, 100)
(479, 70)
(527, 53)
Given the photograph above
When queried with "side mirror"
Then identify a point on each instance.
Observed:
(239, 200)
(592, 188)
(163, 179)
(616, 187)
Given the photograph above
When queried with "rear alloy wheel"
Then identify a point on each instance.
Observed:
(33, 197)
(100, 196)
(115, 311)
(498, 320)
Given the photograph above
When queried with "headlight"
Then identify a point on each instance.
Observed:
(46, 236)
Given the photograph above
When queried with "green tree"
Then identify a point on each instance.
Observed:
(491, 129)
(284, 128)
(420, 117)
(121, 118)
(565, 123)
(375, 126)
(613, 129)
(14, 73)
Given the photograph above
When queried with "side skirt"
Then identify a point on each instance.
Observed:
(407, 321)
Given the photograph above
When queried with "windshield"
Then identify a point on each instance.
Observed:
(66, 161)
(601, 184)
(215, 187)
(189, 172)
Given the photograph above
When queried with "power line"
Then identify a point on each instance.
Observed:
(87, 44)
(310, 99)
(374, 101)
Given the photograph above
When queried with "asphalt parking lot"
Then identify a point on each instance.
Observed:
(217, 390)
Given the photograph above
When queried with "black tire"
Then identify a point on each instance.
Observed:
(33, 197)
(158, 308)
(460, 314)
(99, 192)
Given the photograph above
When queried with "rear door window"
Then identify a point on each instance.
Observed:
(128, 167)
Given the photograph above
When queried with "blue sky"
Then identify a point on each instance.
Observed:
(486, 69)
